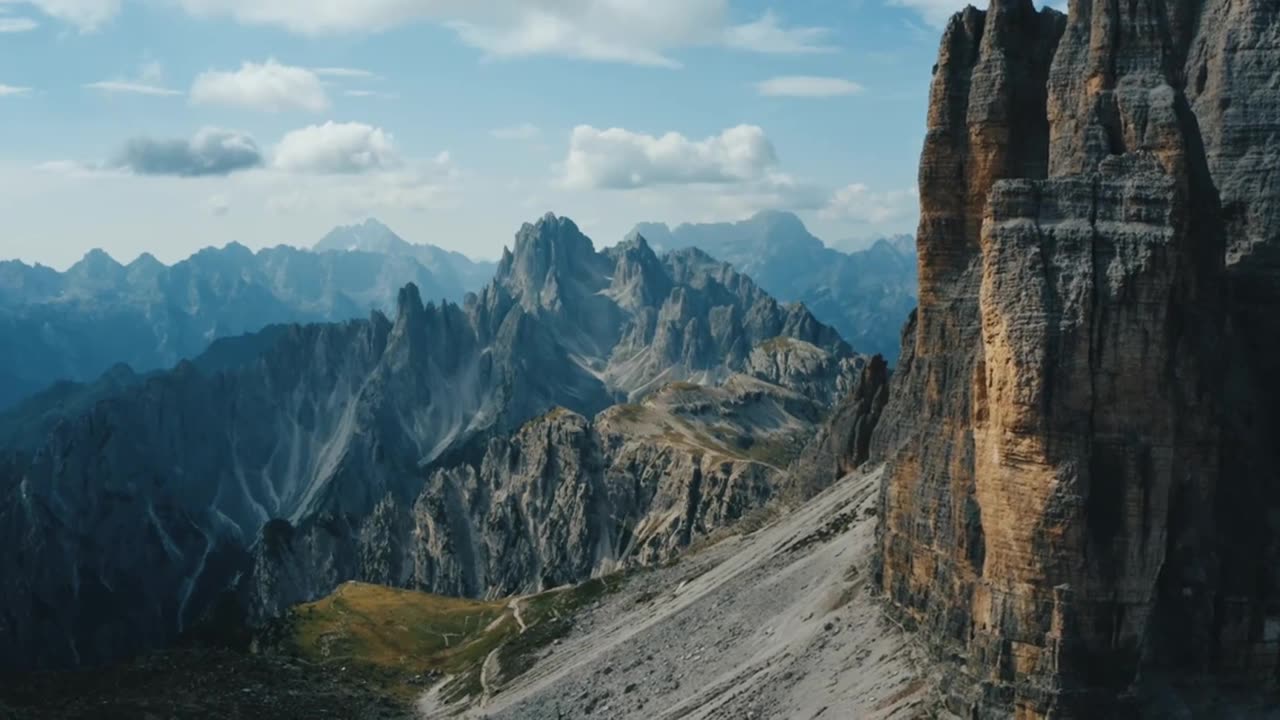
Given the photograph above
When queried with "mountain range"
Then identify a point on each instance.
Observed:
(276, 465)
(76, 324)
(1063, 501)
(866, 295)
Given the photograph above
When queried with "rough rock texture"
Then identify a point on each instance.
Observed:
(843, 442)
(1081, 484)
(565, 498)
(305, 447)
(806, 369)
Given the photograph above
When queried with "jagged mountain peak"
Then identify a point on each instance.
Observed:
(409, 301)
(371, 235)
(96, 258)
(550, 240)
(552, 263)
(146, 260)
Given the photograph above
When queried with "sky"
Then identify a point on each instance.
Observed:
(165, 126)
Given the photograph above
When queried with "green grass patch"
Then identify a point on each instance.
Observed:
(630, 412)
(389, 636)
(399, 640)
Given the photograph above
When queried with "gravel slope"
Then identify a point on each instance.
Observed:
(777, 624)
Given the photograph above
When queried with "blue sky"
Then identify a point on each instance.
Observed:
(169, 125)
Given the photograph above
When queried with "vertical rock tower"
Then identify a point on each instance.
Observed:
(1082, 503)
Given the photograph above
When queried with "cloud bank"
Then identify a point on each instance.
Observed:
(621, 159)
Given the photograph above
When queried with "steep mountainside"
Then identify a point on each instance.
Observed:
(77, 324)
(313, 454)
(865, 295)
(1081, 489)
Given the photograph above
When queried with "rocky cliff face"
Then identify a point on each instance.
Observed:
(566, 497)
(1079, 493)
(842, 443)
(297, 466)
(865, 295)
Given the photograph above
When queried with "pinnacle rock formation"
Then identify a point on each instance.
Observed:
(1082, 479)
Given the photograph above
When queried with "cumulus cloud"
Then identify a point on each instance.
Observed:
(859, 203)
(336, 148)
(212, 151)
(523, 131)
(807, 86)
(622, 159)
(269, 87)
(8, 90)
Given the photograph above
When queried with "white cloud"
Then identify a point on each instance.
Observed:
(149, 81)
(346, 73)
(218, 205)
(86, 15)
(859, 203)
(130, 87)
(371, 94)
(17, 24)
(767, 35)
(621, 159)
(68, 168)
(523, 131)
(540, 33)
(269, 87)
(808, 86)
(8, 90)
(425, 186)
(336, 148)
(643, 32)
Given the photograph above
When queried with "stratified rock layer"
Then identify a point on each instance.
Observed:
(1081, 482)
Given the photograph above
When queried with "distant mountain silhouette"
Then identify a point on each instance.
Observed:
(865, 295)
(76, 324)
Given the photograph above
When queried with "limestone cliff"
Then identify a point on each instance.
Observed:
(1080, 489)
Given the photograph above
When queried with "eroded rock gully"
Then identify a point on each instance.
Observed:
(1081, 489)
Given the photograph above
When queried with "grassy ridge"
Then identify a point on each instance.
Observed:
(399, 640)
